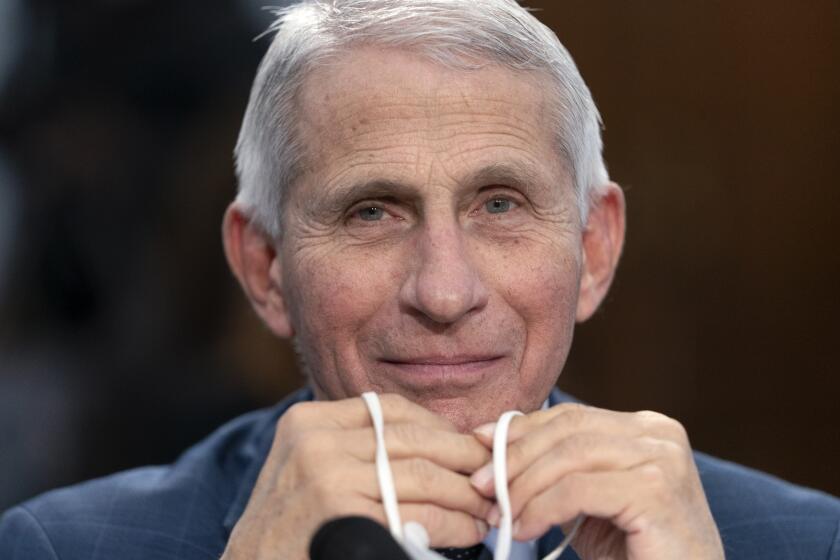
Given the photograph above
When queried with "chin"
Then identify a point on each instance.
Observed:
(464, 412)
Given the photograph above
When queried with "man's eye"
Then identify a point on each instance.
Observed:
(498, 205)
(371, 214)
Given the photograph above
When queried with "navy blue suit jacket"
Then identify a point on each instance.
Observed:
(186, 511)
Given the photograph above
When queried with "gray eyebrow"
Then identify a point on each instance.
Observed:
(342, 197)
(514, 174)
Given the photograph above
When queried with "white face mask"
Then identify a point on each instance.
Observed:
(412, 536)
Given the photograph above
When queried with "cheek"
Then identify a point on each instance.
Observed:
(557, 289)
(538, 277)
(540, 284)
(336, 293)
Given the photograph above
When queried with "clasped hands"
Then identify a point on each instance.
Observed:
(631, 474)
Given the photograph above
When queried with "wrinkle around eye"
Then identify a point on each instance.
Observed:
(523, 220)
(388, 219)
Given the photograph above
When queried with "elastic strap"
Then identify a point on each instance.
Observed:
(383, 467)
(500, 437)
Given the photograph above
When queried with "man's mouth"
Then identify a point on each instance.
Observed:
(427, 372)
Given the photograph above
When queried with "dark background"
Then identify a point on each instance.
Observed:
(123, 338)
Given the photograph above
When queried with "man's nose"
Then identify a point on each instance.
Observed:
(444, 284)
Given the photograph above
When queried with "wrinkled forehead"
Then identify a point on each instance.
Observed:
(372, 99)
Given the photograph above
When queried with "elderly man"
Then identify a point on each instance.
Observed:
(425, 211)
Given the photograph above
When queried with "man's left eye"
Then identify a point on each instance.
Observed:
(371, 214)
(499, 205)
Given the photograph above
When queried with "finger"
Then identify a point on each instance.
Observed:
(445, 527)
(572, 417)
(545, 428)
(451, 450)
(567, 418)
(353, 413)
(586, 453)
(536, 435)
(422, 481)
(633, 500)
(561, 420)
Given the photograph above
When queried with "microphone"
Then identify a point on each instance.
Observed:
(354, 538)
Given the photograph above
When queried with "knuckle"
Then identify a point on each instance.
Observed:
(652, 474)
(572, 414)
(650, 418)
(680, 459)
(659, 423)
(678, 430)
(295, 419)
(655, 480)
(671, 454)
(674, 452)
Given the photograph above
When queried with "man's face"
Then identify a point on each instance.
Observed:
(432, 247)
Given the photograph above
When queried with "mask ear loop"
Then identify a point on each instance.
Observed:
(500, 436)
(383, 467)
(500, 479)
(413, 537)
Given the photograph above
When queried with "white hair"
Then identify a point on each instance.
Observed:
(453, 33)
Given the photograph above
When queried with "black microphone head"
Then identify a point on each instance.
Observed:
(354, 538)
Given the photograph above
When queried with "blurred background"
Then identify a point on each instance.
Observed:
(123, 338)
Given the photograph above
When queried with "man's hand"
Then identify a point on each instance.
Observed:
(322, 465)
(632, 474)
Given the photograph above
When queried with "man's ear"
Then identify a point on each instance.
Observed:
(603, 238)
(253, 258)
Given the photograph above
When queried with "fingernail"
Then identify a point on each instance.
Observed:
(481, 478)
(493, 516)
(486, 430)
(482, 528)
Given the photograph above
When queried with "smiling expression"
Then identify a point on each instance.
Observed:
(432, 245)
